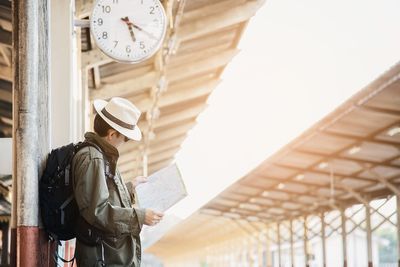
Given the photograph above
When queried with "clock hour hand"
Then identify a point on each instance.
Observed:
(129, 24)
(145, 32)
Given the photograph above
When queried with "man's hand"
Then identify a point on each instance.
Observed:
(152, 217)
(139, 180)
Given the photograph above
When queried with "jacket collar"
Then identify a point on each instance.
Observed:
(110, 152)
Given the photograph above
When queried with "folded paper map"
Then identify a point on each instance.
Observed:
(163, 190)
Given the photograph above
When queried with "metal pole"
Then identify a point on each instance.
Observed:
(279, 244)
(305, 239)
(268, 249)
(30, 127)
(398, 229)
(369, 234)
(260, 249)
(291, 244)
(344, 237)
(323, 239)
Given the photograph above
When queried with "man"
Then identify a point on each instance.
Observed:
(109, 227)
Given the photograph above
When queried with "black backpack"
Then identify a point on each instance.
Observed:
(58, 207)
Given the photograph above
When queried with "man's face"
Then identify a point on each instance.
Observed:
(116, 139)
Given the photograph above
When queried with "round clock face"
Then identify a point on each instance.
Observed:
(128, 31)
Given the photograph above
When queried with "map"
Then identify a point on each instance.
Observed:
(162, 190)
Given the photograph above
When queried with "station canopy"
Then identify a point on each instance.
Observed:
(351, 156)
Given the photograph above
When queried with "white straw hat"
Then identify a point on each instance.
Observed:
(121, 115)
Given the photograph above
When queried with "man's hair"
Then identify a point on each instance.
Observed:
(101, 127)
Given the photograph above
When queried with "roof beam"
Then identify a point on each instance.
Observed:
(162, 136)
(5, 129)
(181, 115)
(209, 9)
(125, 87)
(362, 162)
(159, 165)
(6, 25)
(6, 53)
(221, 20)
(5, 113)
(6, 73)
(360, 139)
(162, 122)
(94, 58)
(5, 38)
(84, 8)
(5, 96)
(150, 79)
(175, 97)
(201, 66)
(153, 167)
(154, 148)
(152, 158)
(303, 170)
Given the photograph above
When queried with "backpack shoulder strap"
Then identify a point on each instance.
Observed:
(106, 164)
(84, 144)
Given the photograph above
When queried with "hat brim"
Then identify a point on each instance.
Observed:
(134, 134)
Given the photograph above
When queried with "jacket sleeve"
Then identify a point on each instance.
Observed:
(92, 197)
(132, 196)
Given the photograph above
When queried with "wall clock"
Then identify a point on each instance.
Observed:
(128, 31)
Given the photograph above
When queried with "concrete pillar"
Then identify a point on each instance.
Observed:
(30, 128)
(369, 234)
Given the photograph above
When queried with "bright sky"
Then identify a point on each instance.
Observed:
(300, 59)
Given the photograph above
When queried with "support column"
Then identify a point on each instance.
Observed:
(30, 127)
(291, 244)
(369, 234)
(261, 240)
(268, 249)
(323, 239)
(278, 232)
(398, 229)
(305, 239)
(344, 237)
(4, 249)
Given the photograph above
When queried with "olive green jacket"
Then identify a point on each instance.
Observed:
(106, 204)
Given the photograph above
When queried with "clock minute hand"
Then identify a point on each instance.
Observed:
(129, 24)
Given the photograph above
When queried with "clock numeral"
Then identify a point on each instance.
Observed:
(128, 49)
(141, 2)
(115, 1)
(106, 9)
(116, 43)
(105, 35)
(100, 21)
(141, 45)
(152, 8)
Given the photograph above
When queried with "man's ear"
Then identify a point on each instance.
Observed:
(110, 133)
